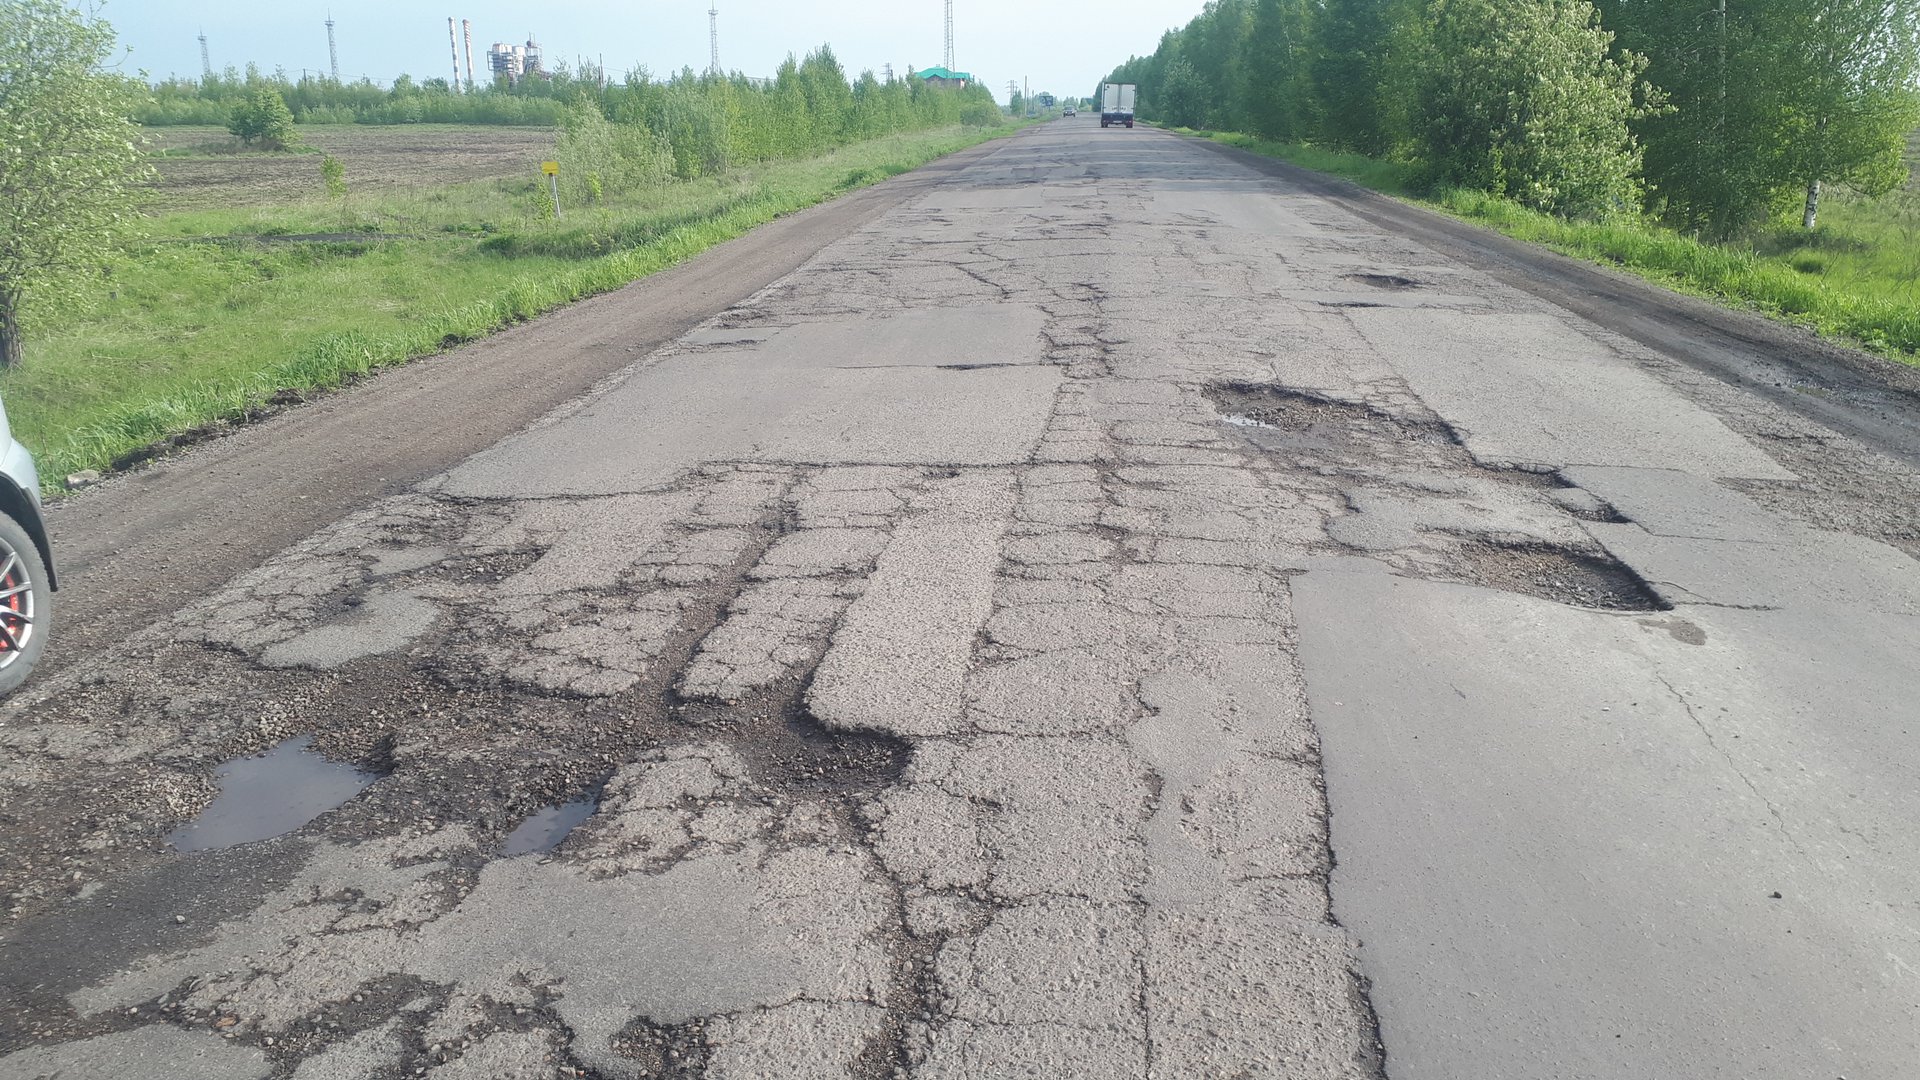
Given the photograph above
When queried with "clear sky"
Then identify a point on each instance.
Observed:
(1064, 47)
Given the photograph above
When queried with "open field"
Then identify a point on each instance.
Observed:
(197, 167)
(1856, 277)
(279, 290)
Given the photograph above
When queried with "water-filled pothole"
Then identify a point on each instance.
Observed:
(1564, 577)
(545, 828)
(270, 795)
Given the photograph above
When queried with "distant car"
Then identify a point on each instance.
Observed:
(1071, 111)
(26, 564)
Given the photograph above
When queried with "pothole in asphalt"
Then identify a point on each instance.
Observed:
(545, 828)
(791, 750)
(1279, 418)
(270, 795)
(669, 1052)
(1394, 282)
(1564, 577)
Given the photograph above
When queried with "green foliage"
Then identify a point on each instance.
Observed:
(68, 158)
(333, 176)
(1183, 97)
(264, 120)
(318, 100)
(1275, 72)
(1348, 52)
(1771, 97)
(1521, 99)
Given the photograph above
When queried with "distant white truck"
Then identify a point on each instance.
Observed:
(1116, 104)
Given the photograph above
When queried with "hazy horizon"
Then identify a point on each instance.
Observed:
(1058, 48)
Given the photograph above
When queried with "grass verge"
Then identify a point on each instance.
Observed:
(1857, 277)
(221, 315)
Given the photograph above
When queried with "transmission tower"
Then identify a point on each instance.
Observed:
(1013, 92)
(713, 40)
(887, 69)
(206, 63)
(949, 35)
(333, 54)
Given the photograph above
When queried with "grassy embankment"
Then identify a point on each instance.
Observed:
(221, 310)
(1856, 277)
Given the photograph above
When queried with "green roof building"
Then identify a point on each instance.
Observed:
(939, 76)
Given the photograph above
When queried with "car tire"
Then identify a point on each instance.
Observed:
(26, 605)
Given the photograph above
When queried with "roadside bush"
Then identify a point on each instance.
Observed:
(1523, 99)
(600, 159)
(264, 120)
(333, 176)
(978, 113)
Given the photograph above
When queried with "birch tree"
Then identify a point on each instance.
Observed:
(1844, 73)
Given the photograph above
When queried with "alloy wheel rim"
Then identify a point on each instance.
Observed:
(16, 606)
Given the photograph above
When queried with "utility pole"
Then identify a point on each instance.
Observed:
(206, 63)
(949, 35)
(1027, 96)
(713, 40)
(333, 54)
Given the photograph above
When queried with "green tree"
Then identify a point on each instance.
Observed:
(1523, 99)
(69, 161)
(1845, 75)
(1183, 97)
(1275, 69)
(333, 176)
(1350, 39)
(264, 119)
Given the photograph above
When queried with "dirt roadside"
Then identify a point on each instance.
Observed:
(153, 540)
(1873, 400)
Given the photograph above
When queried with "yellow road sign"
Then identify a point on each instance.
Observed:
(551, 168)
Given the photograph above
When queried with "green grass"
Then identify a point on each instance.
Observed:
(220, 311)
(1857, 277)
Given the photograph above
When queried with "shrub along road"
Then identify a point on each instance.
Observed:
(971, 654)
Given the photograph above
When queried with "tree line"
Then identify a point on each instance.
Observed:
(1713, 115)
(317, 100)
(643, 131)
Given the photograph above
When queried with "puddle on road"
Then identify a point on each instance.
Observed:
(1243, 421)
(270, 795)
(546, 827)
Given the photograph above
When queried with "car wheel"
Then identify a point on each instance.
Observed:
(26, 605)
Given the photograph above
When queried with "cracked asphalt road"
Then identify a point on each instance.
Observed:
(1113, 612)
